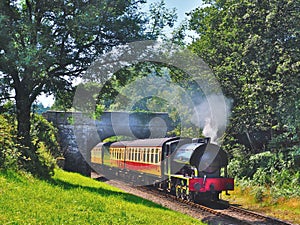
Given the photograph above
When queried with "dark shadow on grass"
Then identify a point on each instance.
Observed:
(105, 192)
(13, 176)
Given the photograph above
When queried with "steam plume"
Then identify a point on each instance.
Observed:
(212, 116)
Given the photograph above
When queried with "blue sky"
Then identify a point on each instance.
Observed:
(182, 6)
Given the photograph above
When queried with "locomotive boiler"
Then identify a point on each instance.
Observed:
(189, 168)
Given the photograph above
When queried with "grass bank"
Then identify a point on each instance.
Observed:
(250, 198)
(73, 199)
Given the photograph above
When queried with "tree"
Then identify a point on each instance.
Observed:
(252, 48)
(46, 44)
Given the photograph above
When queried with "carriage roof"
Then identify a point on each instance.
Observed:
(156, 142)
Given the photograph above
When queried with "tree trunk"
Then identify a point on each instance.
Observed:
(23, 105)
(23, 118)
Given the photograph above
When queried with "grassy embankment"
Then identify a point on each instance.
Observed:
(73, 199)
(282, 208)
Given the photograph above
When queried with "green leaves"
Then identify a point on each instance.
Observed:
(44, 45)
(252, 50)
(8, 145)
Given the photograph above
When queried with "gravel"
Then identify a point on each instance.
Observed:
(165, 202)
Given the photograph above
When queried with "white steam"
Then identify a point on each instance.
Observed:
(212, 115)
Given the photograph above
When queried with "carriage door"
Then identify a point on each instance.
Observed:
(170, 148)
(165, 159)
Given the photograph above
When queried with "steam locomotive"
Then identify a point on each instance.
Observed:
(189, 168)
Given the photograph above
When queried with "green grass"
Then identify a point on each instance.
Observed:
(73, 199)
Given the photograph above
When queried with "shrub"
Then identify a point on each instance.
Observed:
(45, 145)
(44, 168)
(258, 194)
(268, 173)
(8, 148)
(238, 166)
(43, 131)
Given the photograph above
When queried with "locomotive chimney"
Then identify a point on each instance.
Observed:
(201, 140)
(207, 140)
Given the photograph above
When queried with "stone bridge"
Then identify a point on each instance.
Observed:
(78, 133)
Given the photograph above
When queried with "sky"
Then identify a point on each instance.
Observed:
(182, 7)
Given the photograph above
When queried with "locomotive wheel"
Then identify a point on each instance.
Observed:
(215, 196)
(183, 195)
(178, 191)
(190, 197)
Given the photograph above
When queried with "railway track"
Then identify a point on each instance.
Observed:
(232, 213)
(219, 212)
(263, 218)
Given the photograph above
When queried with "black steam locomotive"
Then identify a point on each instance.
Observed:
(190, 168)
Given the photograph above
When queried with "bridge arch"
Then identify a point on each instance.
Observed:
(78, 133)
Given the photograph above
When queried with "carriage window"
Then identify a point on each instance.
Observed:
(159, 155)
(156, 156)
(129, 154)
(136, 155)
(146, 155)
(111, 153)
(150, 155)
(132, 154)
(126, 154)
(142, 154)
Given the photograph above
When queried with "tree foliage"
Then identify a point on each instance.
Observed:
(252, 48)
(44, 45)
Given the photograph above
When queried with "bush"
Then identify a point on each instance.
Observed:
(264, 172)
(9, 153)
(43, 131)
(45, 166)
(45, 145)
(258, 194)
(238, 166)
